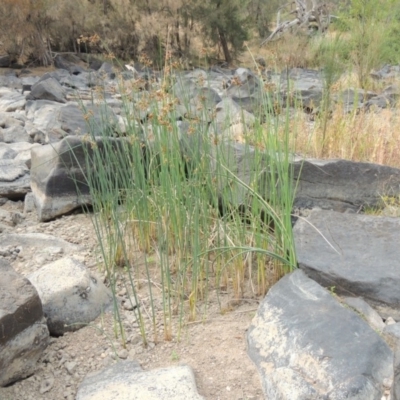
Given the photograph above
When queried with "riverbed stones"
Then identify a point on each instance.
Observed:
(71, 296)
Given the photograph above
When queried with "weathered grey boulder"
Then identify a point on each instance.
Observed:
(71, 296)
(37, 247)
(10, 82)
(391, 334)
(68, 62)
(127, 381)
(244, 84)
(301, 88)
(353, 99)
(14, 178)
(48, 89)
(6, 152)
(28, 82)
(357, 254)
(387, 72)
(24, 334)
(8, 120)
(58, 120)
(59, 175)
(91, 118)
(11, 100)
(227, 114)
(308, 347)
(342, 185)
(14, 134)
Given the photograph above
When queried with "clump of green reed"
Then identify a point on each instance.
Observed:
(178, 199)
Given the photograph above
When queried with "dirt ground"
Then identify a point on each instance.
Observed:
(215, 347)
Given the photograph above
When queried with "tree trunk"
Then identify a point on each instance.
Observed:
(225, 48)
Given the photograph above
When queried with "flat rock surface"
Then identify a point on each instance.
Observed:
(356, 254)
(342, 184)
(127, 381)
(301, 339)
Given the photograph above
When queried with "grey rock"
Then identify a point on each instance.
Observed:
(58, 75)
(24, 334)
(68, 62)
(391, 334)
(6, 152)
(24, 152)
(10, 82)
(58, 121)
(14, 134)
(353, 99)
(366, 311)
(71, 296)
(127, 381)
(301, 339)
(357, 254)
(244, 84)
(228, 113)
(48, 89)
(8, 120)
(77, 82)
(59, 175)
(14, 179)
(340, 184)
(93, 119)
(42, 114)
(36, 241)
(28, 82)
(381, 102)
(11, 100)
(387, 72)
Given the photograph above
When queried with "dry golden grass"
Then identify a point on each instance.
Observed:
(363, 136)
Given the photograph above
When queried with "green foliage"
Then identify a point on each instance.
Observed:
(157, 196)
(224, 22)
(372, 27)
(261, 14)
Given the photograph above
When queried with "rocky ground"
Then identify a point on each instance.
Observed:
(215, 348)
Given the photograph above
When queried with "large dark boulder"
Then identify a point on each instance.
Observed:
(356, 254)
(24, 334)
(307, 346)
(49, 89)
(68, 62)
(343, 185)
(59, 173)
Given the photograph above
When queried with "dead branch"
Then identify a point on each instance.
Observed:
(317, 15)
